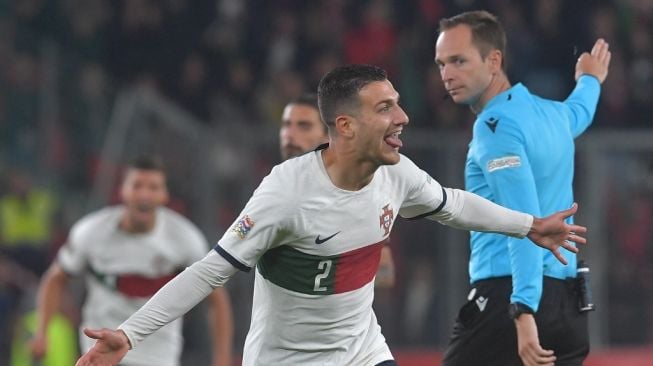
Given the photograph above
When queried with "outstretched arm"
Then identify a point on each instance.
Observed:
(468, 211)
(553, 232)
(110, 348)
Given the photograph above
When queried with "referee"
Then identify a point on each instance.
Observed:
(523, 306)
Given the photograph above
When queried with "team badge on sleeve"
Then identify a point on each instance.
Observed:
(243, 226)
(386, 218)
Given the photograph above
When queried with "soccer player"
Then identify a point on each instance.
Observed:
(302, 130)
(522, 157)
(314, 230)
(126, 253)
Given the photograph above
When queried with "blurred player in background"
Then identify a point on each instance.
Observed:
(302, 130)
(521, 156)
(126, 253)
(314, 230)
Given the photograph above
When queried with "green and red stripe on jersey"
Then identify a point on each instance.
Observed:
(321, 275)
(134, 285)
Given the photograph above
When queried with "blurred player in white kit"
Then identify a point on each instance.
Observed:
(126, 253)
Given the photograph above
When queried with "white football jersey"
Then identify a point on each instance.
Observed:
(316, 250)
(123, 270)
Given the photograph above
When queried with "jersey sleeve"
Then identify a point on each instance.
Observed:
(507, 170)
(581, 103)
(261, 224)
(424, 195)
(73, 255)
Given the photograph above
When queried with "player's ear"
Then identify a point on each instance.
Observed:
(343, 125)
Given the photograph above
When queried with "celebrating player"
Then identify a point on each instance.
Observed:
(313, 232)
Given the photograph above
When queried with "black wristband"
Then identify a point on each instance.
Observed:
(516, 309)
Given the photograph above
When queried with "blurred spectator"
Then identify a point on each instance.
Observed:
(205, 53)
(14, 282)
(26, 222)
(26, 230)
(192, 87)
(61, 335)
(21, 109)
(284, 85)
(231, 104)
(76, 145)
(631, 291)
(86, 27)
(374, 39)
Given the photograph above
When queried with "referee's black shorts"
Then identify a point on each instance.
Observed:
(483, 334)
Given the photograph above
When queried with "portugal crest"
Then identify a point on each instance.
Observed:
(386, 218)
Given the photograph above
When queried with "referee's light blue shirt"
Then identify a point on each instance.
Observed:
(522, 157)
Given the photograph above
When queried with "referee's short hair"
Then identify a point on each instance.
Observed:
(487, 32)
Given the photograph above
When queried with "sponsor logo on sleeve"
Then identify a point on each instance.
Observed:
(503, 163)
(243, 226)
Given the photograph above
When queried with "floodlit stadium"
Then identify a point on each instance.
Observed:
(88, 85)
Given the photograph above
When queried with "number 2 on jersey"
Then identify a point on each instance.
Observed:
(324, 265)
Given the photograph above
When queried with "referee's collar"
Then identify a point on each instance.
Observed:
(506, 95)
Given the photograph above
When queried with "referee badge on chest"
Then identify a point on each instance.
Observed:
(243, 226)
(387, 215)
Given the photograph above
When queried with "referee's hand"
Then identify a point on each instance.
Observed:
(528, 343)
(595, 63)
(552, 232)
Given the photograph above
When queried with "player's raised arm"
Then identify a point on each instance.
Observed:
(596, 62)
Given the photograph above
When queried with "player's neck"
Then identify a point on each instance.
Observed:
(345, 170)
(131, 226)
(498, 85)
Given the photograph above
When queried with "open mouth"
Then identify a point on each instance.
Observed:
(144, 207)
(393, 140)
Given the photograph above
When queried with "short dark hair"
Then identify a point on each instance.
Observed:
(147, 162)
(338, 89)
(310, 100)
(487, 32)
